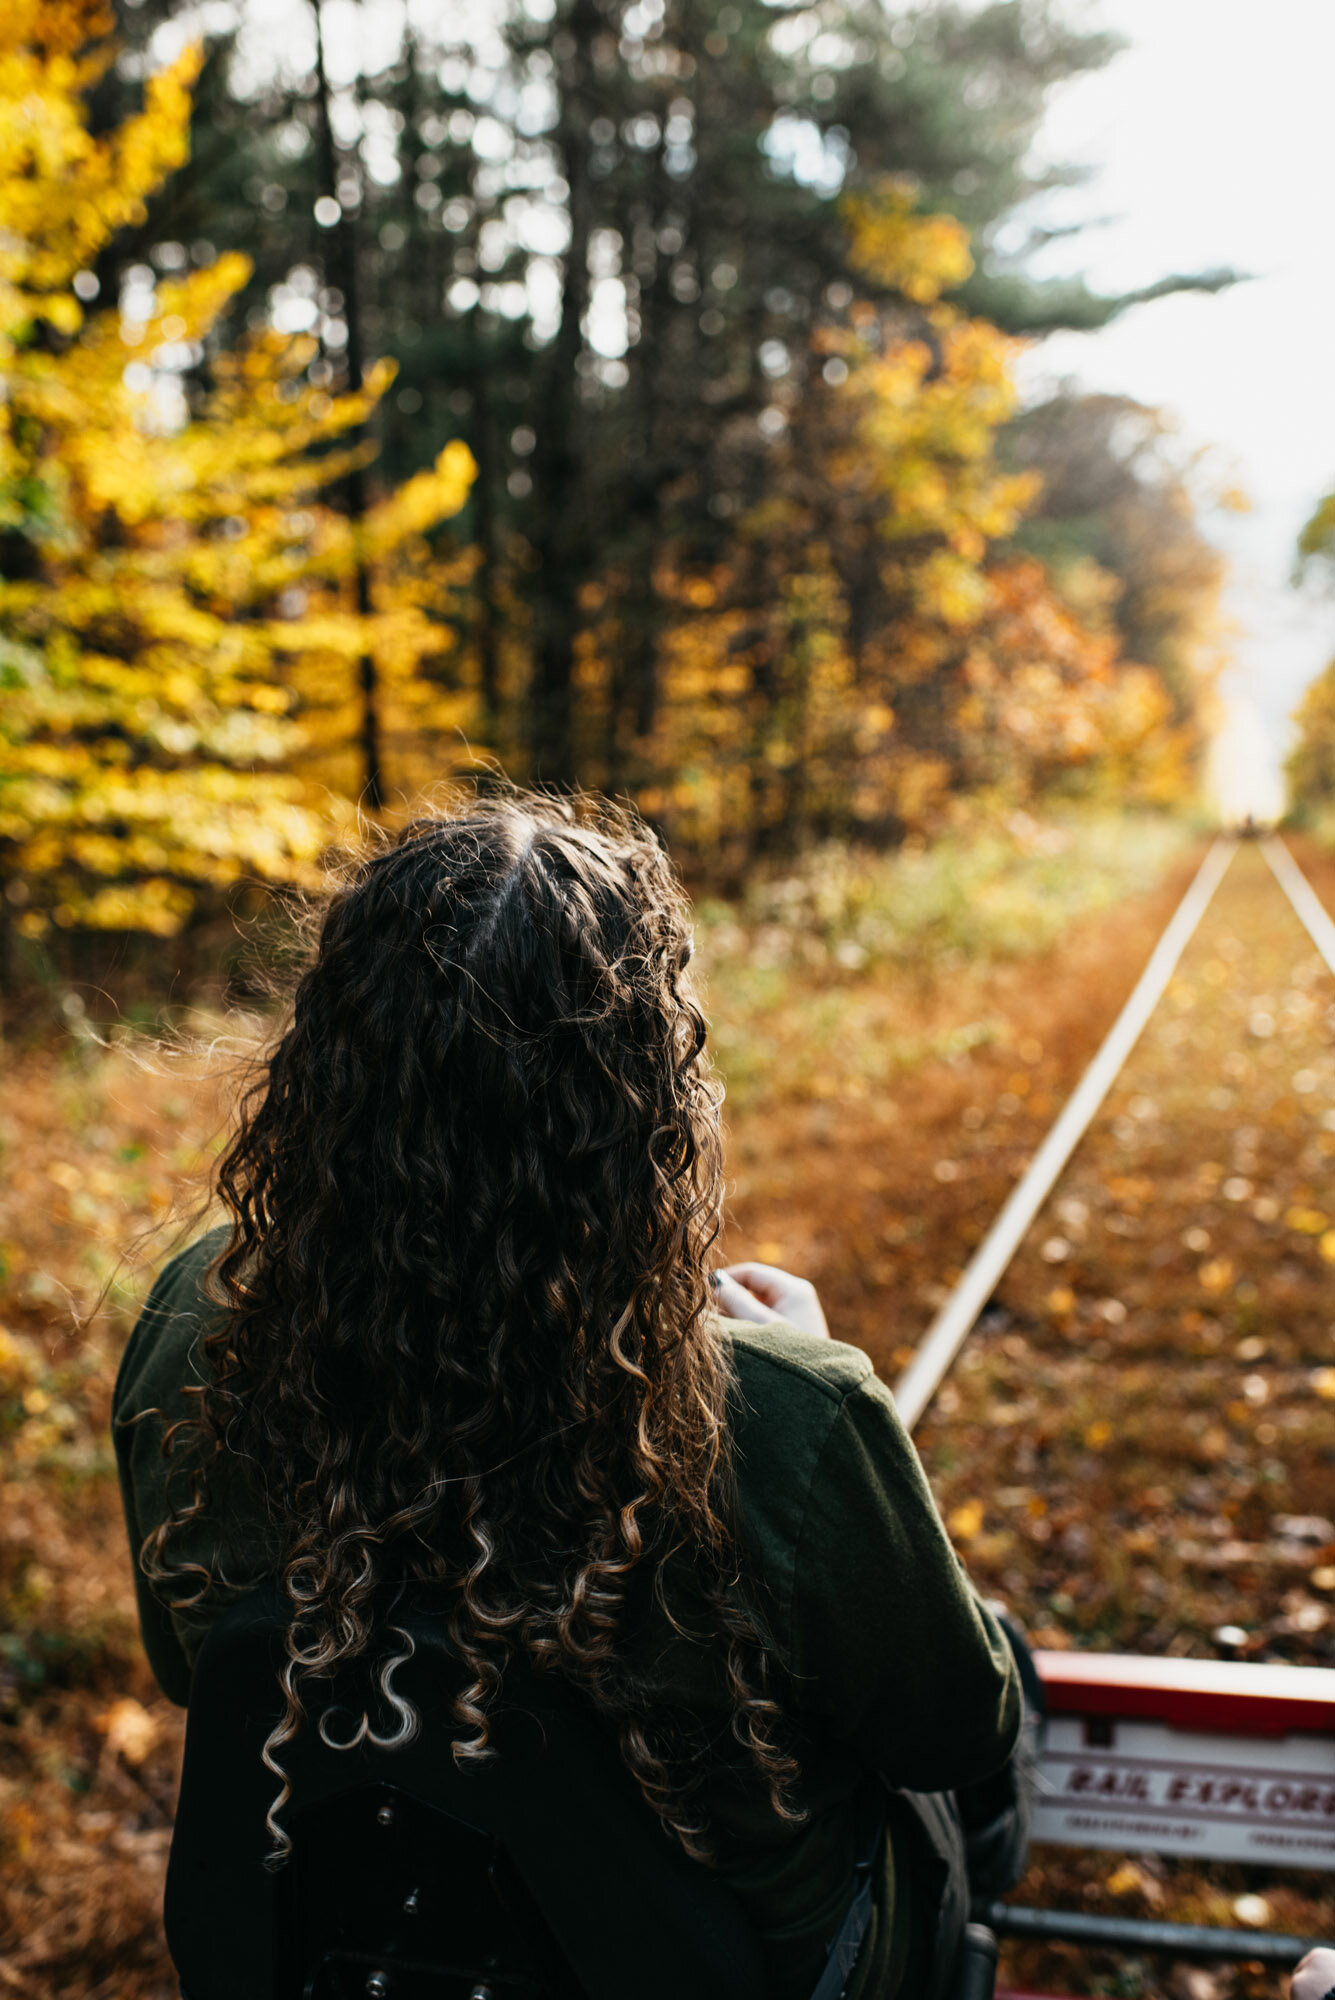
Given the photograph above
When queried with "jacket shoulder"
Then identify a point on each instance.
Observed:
(790, 1392)
(776, 1364)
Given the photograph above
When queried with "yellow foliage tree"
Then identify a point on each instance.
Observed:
(919, 256)
(1042, 697)
(862, 651)
(758, 736)
(854, 582)
(1311, 763)
(63, 193)
(179, 638)
(991, 678)
(1310, 768)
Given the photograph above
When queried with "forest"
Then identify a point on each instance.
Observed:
(625, 397)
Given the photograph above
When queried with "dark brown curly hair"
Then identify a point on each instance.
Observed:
(468, 1335)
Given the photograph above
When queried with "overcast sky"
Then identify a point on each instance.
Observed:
(1212, 138)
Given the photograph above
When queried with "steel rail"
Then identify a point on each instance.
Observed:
(1140, 1933)
(1310, 910)
(953, 1324)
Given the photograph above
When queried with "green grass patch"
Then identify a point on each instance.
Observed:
(801, 975)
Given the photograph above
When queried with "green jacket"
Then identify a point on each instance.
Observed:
(892, 1664)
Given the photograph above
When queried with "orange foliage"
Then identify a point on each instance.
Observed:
(1042, 695)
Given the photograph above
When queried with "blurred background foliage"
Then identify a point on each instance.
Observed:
(624, 395)
(1311, 763)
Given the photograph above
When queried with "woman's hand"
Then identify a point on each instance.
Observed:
(1314, 1976)
(762, 1292)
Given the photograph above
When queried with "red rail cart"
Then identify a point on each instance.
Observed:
(1207, 1758)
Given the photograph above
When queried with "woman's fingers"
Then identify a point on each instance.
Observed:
(787, 1297)
(735, 1301)
(767, 1281)
(1314, 1976)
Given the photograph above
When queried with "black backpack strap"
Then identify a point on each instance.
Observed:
(857, 1917)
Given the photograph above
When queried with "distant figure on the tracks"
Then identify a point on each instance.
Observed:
(463, 1330)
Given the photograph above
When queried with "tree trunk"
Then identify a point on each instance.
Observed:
(342, 267)
(484, 524)
(652, 392)
(562, 542)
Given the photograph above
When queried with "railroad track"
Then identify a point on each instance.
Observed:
(946, 1335)
(1209, 1760)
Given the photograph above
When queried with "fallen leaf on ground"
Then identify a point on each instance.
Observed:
(965, 1520)
(129, 1729)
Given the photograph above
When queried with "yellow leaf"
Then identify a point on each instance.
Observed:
(920, 255)
(1308, 1221)
(966, 1520)
(1217, 1275)
(129, 1729)
(1126, 1880)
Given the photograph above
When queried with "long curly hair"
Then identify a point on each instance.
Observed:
(468, 1336)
